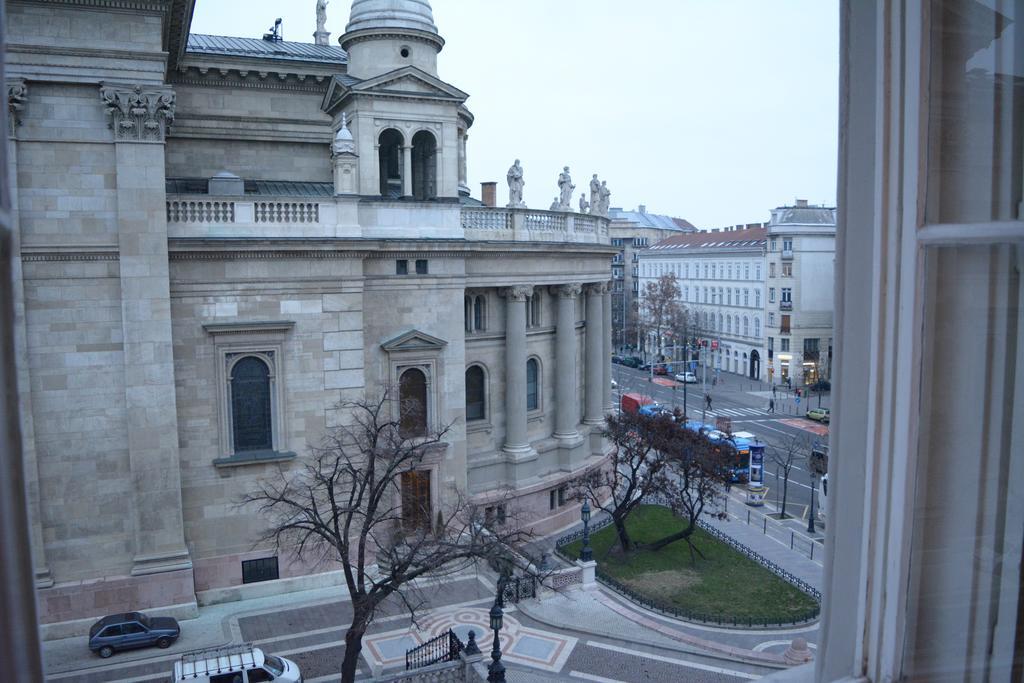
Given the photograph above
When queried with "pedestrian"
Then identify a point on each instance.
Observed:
(707, 400)
(774, 394)
(771, 405)
(714, 381)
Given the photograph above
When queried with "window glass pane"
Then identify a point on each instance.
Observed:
(413, 403)
(532, 398)
(976, 113)
(475, 407)
(416, 500)
(250, 405)
(964, 605)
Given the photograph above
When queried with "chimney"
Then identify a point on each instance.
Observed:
(802, 203)
(489, 193)
(641, 209)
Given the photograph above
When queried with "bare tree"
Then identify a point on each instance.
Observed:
(634, 472)
(346, 505)
(785, 453)
(699, 469)
(660, 307)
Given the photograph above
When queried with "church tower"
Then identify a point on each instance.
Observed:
(384, 35)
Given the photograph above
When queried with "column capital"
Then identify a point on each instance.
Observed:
(518, 292)
(597, 288)
(569, 291)
(139, 114)
(17, 93)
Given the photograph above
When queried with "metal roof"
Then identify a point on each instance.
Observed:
(199, 43)
(266, 188)
(649, 220)
(804, 215)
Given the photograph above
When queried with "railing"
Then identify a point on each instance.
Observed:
(787, 254)
(444, 648)
(586, 224)
(185, 211)
(486, 219)
(287, 212)
(785, 305)
(544, 221)
(674, 611)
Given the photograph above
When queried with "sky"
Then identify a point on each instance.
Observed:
(715, 111)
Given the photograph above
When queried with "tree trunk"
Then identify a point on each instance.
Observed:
(785, 490)
(672, 538)
(624, 540)
(353, 645)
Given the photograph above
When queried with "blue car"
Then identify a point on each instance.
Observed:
(131, 630)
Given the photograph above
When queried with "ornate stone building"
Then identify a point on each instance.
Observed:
(220, 240)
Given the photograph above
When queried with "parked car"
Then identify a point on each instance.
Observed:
(631, 361)
(234, 663)
(615, 385)
(617, 360)
(131, 630)
(661, 369)
(686, 377)
(632, 402)
(819, 414)
(644, 367)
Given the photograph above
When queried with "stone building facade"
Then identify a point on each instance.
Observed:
(721, 279)
(219, 240)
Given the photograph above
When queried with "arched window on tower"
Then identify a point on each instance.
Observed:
(412, 396)
(476, 395)
(390, 160)
(424, 166)
(250, 405)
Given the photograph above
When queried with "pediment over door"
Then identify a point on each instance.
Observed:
(413, 340)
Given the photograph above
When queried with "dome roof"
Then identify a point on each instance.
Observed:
(393, 14)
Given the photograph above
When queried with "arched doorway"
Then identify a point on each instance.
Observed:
(424, 166)
(389, 153)
(755, 365)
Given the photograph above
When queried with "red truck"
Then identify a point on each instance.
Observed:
(631, 403)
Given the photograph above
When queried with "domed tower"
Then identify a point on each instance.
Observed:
(384, 35)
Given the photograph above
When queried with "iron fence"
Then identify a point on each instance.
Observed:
(519, 588)
(444, 648)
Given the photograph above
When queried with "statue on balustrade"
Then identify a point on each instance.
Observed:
(565, 188)
(595, 195)
(605, 194)
(584, 204)
(556, 205)
(515, 186)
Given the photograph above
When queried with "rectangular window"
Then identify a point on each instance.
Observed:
(787, 244)
(402, 267)
(784, 327)
(787, 270)
(771, 295)
(421, 266)
(494, 516)
(746, 271)
(771, 270)
(771, 345)
(757, 298)
(552, 499)
(773, 245)
(416, 499)
(771, 319)
(757, 270)
(705, 271)
(263, 569)
(563, 493)
(787, 295)
(811, 349)
(784, 341)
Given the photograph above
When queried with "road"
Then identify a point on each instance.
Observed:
(745, 403)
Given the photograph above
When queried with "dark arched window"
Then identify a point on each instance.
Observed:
(532, 384)
(250, 405)
(424, 166)
(412, 395)
(476, 396)
(479, 311)
(390, 160)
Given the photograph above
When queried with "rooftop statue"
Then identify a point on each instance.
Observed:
(321, 15)
(605, 194)
(515, 186)
(565, 188)
(595, 195)
(584, 204)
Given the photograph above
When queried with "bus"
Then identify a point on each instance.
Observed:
(740, 441)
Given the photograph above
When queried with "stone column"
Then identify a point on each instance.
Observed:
(17, 94)
(606, 362)
(407, 171)
(517, 442)
(140, 117)
(566, 405)
(595, 394)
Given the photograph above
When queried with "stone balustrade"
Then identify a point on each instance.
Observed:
(199, 216)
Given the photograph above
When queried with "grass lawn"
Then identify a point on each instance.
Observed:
(724, 583)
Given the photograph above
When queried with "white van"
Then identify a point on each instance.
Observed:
(235, 664)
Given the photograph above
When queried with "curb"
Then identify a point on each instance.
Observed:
(686, 644)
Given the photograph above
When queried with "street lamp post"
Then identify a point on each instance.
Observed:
(810, 513)
(586, 553)
(496, 670)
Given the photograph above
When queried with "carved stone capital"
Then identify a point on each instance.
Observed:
(597, 288)
(17, 93)
(518, 293)
(570, 291)
(139, 114)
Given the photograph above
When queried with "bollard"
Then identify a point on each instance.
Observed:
(812, 550)
(791, 537)
(765, 529)
(748, 516)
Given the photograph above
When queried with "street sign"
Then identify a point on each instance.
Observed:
(714, 344)
(798, 400)
(693, 365)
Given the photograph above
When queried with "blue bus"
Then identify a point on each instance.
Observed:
(740, 441)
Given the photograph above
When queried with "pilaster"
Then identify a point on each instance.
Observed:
(17, 99)
(407, 170)
(594, 411)
(606, 362)
(139, 120)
